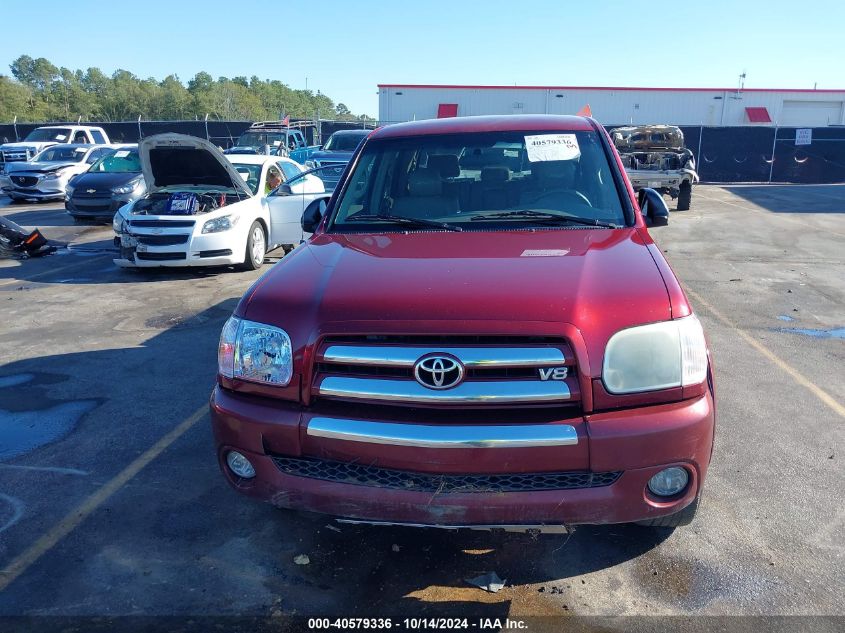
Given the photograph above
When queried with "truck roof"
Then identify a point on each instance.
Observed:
(63, 125)
(506, 123)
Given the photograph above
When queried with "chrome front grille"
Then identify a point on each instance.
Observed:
(495, 370)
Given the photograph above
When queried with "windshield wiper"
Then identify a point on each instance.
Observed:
(547, 218)
(402, 219)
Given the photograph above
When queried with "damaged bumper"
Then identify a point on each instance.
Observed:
(600, 477)
(661, 181)
(172, 248)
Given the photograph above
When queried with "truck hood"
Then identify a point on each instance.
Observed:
(600, 281)
(31, 144)
(179, 160)
(330, 155)
(647, 137)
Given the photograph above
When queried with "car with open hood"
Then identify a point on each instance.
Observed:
(111, 182)
(199, 211)
(481, 332)
(46, 176)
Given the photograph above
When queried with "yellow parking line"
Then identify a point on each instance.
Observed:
(52, 271)
(797, 376)
(75, 517)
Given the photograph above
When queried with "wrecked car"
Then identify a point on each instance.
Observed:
(46, 176)
(654, 156)
(199, 211)
(110, 183)
(480, 333)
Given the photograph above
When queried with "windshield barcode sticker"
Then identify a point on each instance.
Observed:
(548, 252)
(121, 153)
(543, 147)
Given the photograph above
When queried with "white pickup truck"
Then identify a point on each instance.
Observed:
(47, 135)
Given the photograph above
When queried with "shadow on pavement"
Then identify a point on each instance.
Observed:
(793, 198)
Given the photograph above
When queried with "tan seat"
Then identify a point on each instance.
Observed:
(425, 197)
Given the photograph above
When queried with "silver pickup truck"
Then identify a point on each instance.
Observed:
(654, 156)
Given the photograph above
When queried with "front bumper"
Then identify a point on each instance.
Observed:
(28, 193)
(639, 442)
(96, 208)
(213, 249)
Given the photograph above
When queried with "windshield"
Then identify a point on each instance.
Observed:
(344, 142)
(474, 180)
(122, 161)
(60, 134)
(250, 173)
(61, 154)
(257, 139)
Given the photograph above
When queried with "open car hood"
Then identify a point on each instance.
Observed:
(179, 160)
(647, 137)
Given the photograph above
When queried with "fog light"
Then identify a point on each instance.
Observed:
(668, 482)
(240, 465)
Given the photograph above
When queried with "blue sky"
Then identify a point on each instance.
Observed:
(346, 48)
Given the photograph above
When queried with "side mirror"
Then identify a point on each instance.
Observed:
(283, 190)
(313, 215)
(653, 207)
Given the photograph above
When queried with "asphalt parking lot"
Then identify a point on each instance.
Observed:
(111, 502)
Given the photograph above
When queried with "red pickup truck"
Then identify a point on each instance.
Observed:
(480, 333)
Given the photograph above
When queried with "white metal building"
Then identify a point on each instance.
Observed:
(618, 106)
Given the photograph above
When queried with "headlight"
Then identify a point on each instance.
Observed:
(59, 173)
(129, 187)
(69, 191)
(220, 224)
(255, 352)
(118, 223)
(655, 356)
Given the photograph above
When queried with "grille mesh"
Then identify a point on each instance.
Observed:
(373, 476)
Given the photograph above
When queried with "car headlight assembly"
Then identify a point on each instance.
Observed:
(655, 356)
(129, 187)
(220, 224)
(58, 174)
(118, 223)
(255, 352)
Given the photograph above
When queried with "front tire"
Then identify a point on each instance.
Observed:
(256, 247)
(684, 196)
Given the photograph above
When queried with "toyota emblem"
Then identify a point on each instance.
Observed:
(438, 371)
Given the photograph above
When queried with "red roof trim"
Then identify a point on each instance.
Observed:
(459, 86)
(758, 115)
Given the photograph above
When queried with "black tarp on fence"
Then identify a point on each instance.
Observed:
(222, 133)
(744, 154)
(723, 154)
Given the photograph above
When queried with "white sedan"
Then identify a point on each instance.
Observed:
(45, 177)
(200, 211)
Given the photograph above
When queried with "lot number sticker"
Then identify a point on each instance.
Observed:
(543, 147)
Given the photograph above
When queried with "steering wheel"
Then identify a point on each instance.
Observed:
(557, 194)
